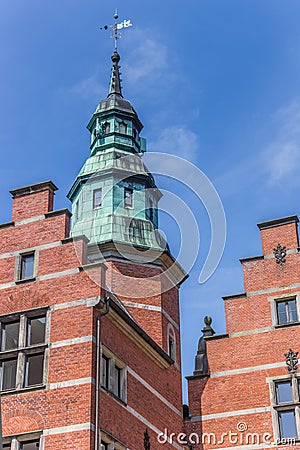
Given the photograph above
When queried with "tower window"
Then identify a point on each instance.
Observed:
(77, 212)
(122, 128)
(128, 197)
(286, 311)
(27, 266)
(97, 198)
(106, 127)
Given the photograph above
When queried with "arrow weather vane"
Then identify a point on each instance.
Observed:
(116, 27)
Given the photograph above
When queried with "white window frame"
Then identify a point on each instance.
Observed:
(128, 188)
(22, 351)
(18, 265)
(282, 298)
(99, 189)
(16, 441)
(290, 406)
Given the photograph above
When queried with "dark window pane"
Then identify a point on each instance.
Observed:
(8, 374)
(106, 128)
(171, 348)
(123, 128)
(281, 312)
(30, 445)
(104, 446)
(117, 382)
(36, 331)
(287, 424)
(284, 392)
(34, 370)
(128, 197)
(6, 446)
(292, 310)
(97, 198)
(27, 266)
(105, 371)
(10, 336)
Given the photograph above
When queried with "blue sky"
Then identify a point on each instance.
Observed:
(214, 81)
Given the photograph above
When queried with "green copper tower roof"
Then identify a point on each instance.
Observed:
(114, 197)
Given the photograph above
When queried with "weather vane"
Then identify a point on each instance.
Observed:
(116, 27)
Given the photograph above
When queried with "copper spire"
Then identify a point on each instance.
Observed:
(115, 80)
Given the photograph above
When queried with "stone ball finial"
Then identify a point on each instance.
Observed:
(115, 57)
(207, 321)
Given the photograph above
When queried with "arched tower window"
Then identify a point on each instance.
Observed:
(171, 342)
(122, 128)
(106, 127)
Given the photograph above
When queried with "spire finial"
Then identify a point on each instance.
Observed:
(116, 27)
(115, 81)
(116, 34)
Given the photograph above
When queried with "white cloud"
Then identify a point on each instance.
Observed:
(90, 87)
(281, 158)
(147, 60)
(177, 140)
(147, 65)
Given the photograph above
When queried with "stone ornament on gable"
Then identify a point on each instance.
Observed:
(280, 254)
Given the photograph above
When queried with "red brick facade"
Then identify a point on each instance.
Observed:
(142, 388)
(239, 402)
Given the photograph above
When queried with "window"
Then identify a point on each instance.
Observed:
(27, 266)
(22, 352)
(106, 127)
(128, 194)
(97, 198)
(30, 445)
(104, 446)
(286, 311)
(113, 375)
(285, 399)
(122, 128)
(105, 372)
(117, 381)
(36, 330)
(20, 444)
(171, 342)
(77, 211)
(10, 335)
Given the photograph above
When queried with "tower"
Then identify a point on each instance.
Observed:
(115, 205)
(114, 197)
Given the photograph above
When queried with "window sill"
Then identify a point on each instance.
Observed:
(111, 394)
(36, 387)
(25, 280)
(284, 325)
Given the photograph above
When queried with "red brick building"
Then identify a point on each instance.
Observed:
(245, 388)
(90, 327)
